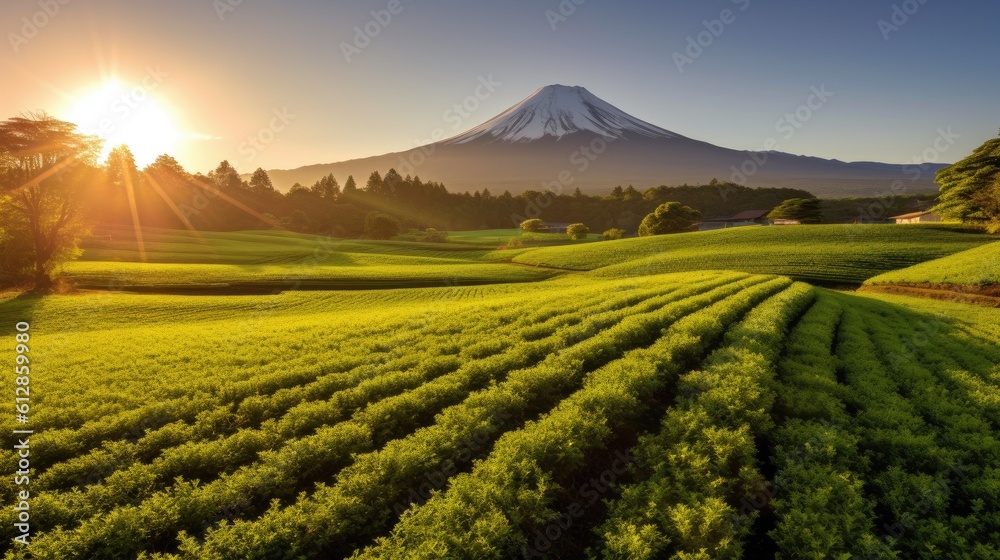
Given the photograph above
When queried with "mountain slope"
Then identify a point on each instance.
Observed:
(561, 138)
(559, 111)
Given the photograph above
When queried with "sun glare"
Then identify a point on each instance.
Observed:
(131, 116)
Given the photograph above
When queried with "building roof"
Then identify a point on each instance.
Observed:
(750, 215)
(910, 215)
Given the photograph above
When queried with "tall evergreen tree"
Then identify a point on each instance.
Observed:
(125, 181)
(374, 185)
(391, 183)
(350, 187)
(226, 177)
(327, 187)
(968, 190)
(260, 182)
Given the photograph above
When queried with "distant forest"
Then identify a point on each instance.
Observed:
(166, 196)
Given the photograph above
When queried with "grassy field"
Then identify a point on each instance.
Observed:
(265, 261)
(620, 413)
(497, 237)
(975, 267)
(837, 254)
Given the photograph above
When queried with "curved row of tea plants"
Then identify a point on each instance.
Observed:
(838, 254)
(519, 499)
(282, 473)
(979, 267)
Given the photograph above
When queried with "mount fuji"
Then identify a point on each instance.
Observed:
(559, 111)
(564, 137)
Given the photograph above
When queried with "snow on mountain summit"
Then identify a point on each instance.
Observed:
(557, 111)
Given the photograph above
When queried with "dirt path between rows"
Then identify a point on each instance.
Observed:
(988, 296)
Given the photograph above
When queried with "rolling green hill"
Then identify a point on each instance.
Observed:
(262, 261)
(979, 267)
(614, 413)
(312, 420)
(265, 261)
(838, 254)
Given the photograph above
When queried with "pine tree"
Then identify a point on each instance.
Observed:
(327, 187)
(226, 177)
(350, 187)
(374, 185)
(260, 182)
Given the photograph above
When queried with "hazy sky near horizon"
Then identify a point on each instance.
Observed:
(268, 83)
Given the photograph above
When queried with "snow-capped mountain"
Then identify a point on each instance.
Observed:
(548, 140)
(558, 111)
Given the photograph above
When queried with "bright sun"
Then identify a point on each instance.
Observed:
(130, 116)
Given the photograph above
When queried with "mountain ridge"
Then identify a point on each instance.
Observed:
(558, 111)
(565, 137)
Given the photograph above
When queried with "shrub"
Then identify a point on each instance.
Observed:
(805, 210)
(534, 225)
(613, 233)
(577, 231)
(434, 236)
(381, 226)
(669, 217)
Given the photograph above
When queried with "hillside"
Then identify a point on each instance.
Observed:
(972, 275)
(567, 137)
(834, 254)
(385, 399)
(262, 262)
(467, 421)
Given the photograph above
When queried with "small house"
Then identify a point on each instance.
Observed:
(917, 218)
(750, 217)
(784, 222)
(746, 218)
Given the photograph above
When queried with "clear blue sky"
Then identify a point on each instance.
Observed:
(227, 75)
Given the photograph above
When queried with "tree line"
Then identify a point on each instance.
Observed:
(53, 191)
